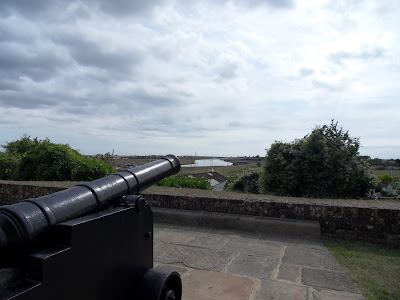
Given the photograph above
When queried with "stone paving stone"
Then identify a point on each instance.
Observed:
(193, 257)
(250, 247)
(310, 257)
(290, 272)
(160, 226)
(202, 285)
(234, 234)
(181, 270)
(291, 241)
(194, 229)
(207, 242)
(172, 236)
(335, 295)
(253, 266)
(327, 279)
(280, 291)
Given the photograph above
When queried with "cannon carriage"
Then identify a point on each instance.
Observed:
(92, 241)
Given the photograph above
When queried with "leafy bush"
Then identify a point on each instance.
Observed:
(19, 147)
(43, 160)
(385, 178)
(8, 165)
(386, 193)
(325, 163)
(247, 182)
(184, 182)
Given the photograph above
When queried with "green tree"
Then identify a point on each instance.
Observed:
(21, 146)
(33, 159)
(247, 182)
(385, 178)
(325, 163)
(8, 165)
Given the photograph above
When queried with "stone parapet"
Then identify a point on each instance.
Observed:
(11, 192)
(346, 222)
(378, 225)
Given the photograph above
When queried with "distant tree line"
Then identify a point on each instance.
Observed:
(324, 164)
(41, 160)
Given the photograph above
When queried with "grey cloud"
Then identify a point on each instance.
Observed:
(26, 7)
(124, 8)
(147, 99)
(228, 71)
(26, 53)
(338, 57)
(325, 85)
(25, 100)
(36, 9)
(280, 4)
(272, 3)
(235, 124)
(37, 64)
(91, 54)
(306, 72)
(45, 8)
(8, 85)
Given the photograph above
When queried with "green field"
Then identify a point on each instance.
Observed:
(392, 171)
(374, 268)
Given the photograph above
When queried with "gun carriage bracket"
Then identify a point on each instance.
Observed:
(92, 241)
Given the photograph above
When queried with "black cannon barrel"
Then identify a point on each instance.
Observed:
(24, 222)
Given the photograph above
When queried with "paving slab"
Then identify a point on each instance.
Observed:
(207, 242)
(333, 280)
(193, 257)
(335, 295)
(254, 248)
(172, 236)
(291, 241)
(310, 257)
(281, 291)
(232, 264)
(290, 272)
(234, 234)
(202, 285)
(254, 266)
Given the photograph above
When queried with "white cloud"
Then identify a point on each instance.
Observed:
(215, 77)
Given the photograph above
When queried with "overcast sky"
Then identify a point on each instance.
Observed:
(222, 78)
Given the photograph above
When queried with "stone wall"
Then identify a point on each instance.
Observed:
(14, 192)
(347, 222)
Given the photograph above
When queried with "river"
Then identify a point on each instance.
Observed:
(214, 162)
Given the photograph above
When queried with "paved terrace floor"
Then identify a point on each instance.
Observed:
(230, 264)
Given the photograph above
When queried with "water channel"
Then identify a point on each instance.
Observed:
(214, 162)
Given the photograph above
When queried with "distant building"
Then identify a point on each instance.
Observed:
(216, 180)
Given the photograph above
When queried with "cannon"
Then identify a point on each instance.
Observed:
(91, 241)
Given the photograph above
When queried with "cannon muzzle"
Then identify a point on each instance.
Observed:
(23, 223)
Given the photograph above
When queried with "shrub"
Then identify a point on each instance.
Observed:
(184, 182)
(8, 166)
(385, 178)
(325, 163)
(247, 182)
(42, 160)
(387, 193)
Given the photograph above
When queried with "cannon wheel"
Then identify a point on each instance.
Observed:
(161, 283)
